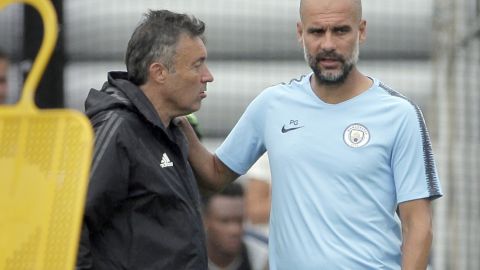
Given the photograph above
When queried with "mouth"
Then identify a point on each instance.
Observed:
(233, 243)
(203, 94)
(329, 60)
(329, 63)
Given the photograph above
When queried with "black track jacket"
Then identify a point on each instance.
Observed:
(143, 208)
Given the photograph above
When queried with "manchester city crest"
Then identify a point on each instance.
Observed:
(356, 135)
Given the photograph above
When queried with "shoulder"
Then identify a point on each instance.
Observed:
(396, 100)
(295, 82)
(400, 109)
(114, 117)
(284, 89)
(116, 123)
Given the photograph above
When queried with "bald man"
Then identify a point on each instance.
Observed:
(353, 174)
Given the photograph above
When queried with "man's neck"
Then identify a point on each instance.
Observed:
(158, 103)
(221, 259)
(355, 84)
(232, 265)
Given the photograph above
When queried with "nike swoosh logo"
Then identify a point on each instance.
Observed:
(285, 130)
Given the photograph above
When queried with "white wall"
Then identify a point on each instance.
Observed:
(243, 29)
(238, 82)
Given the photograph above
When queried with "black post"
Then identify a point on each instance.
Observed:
(50, 90)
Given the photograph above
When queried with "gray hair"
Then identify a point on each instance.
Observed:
(155, 39)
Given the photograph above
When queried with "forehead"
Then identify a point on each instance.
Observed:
(190, 48)
(226, 207)
(325, 12)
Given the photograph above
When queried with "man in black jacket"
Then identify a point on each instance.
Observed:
(143, 207)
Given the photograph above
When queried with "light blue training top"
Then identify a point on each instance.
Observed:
(339, 172)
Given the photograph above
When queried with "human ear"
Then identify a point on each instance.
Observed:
(362, 31)
(158, 72)
(300, 32)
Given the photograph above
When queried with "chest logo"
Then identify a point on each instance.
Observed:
(291, 126)
(165, 161)
(356, 135)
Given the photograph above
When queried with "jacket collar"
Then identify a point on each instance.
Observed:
(139, 100)
(119, 80)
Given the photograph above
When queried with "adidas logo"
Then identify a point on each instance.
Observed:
(165, 161)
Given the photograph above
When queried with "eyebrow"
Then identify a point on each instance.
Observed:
(315, 28)
(334, 28)
(342, 27)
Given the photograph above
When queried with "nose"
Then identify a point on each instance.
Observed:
(236, 228)
(207, 76)
(328, 43)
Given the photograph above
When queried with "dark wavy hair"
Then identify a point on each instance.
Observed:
(3, 54)
(232, 190)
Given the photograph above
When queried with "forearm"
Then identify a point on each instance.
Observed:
(211, 174)
(417, 234)
(416, 248)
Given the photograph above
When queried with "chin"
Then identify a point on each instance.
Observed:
(232, 250)
(196, 106)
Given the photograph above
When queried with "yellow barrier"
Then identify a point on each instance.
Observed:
(45, 158)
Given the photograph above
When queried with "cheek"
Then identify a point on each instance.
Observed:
(351, 44)
(216, 231)
(307, 46)
(312, 44)
(191, 83)
(183, 88)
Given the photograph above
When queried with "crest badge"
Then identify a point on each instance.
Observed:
(356, 135)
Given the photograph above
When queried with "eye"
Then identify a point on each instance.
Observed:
(316, 31)
(199, 63)
(342, 30)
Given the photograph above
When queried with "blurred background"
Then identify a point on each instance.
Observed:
(429, 50)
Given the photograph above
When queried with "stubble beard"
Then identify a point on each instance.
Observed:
(332, 77)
